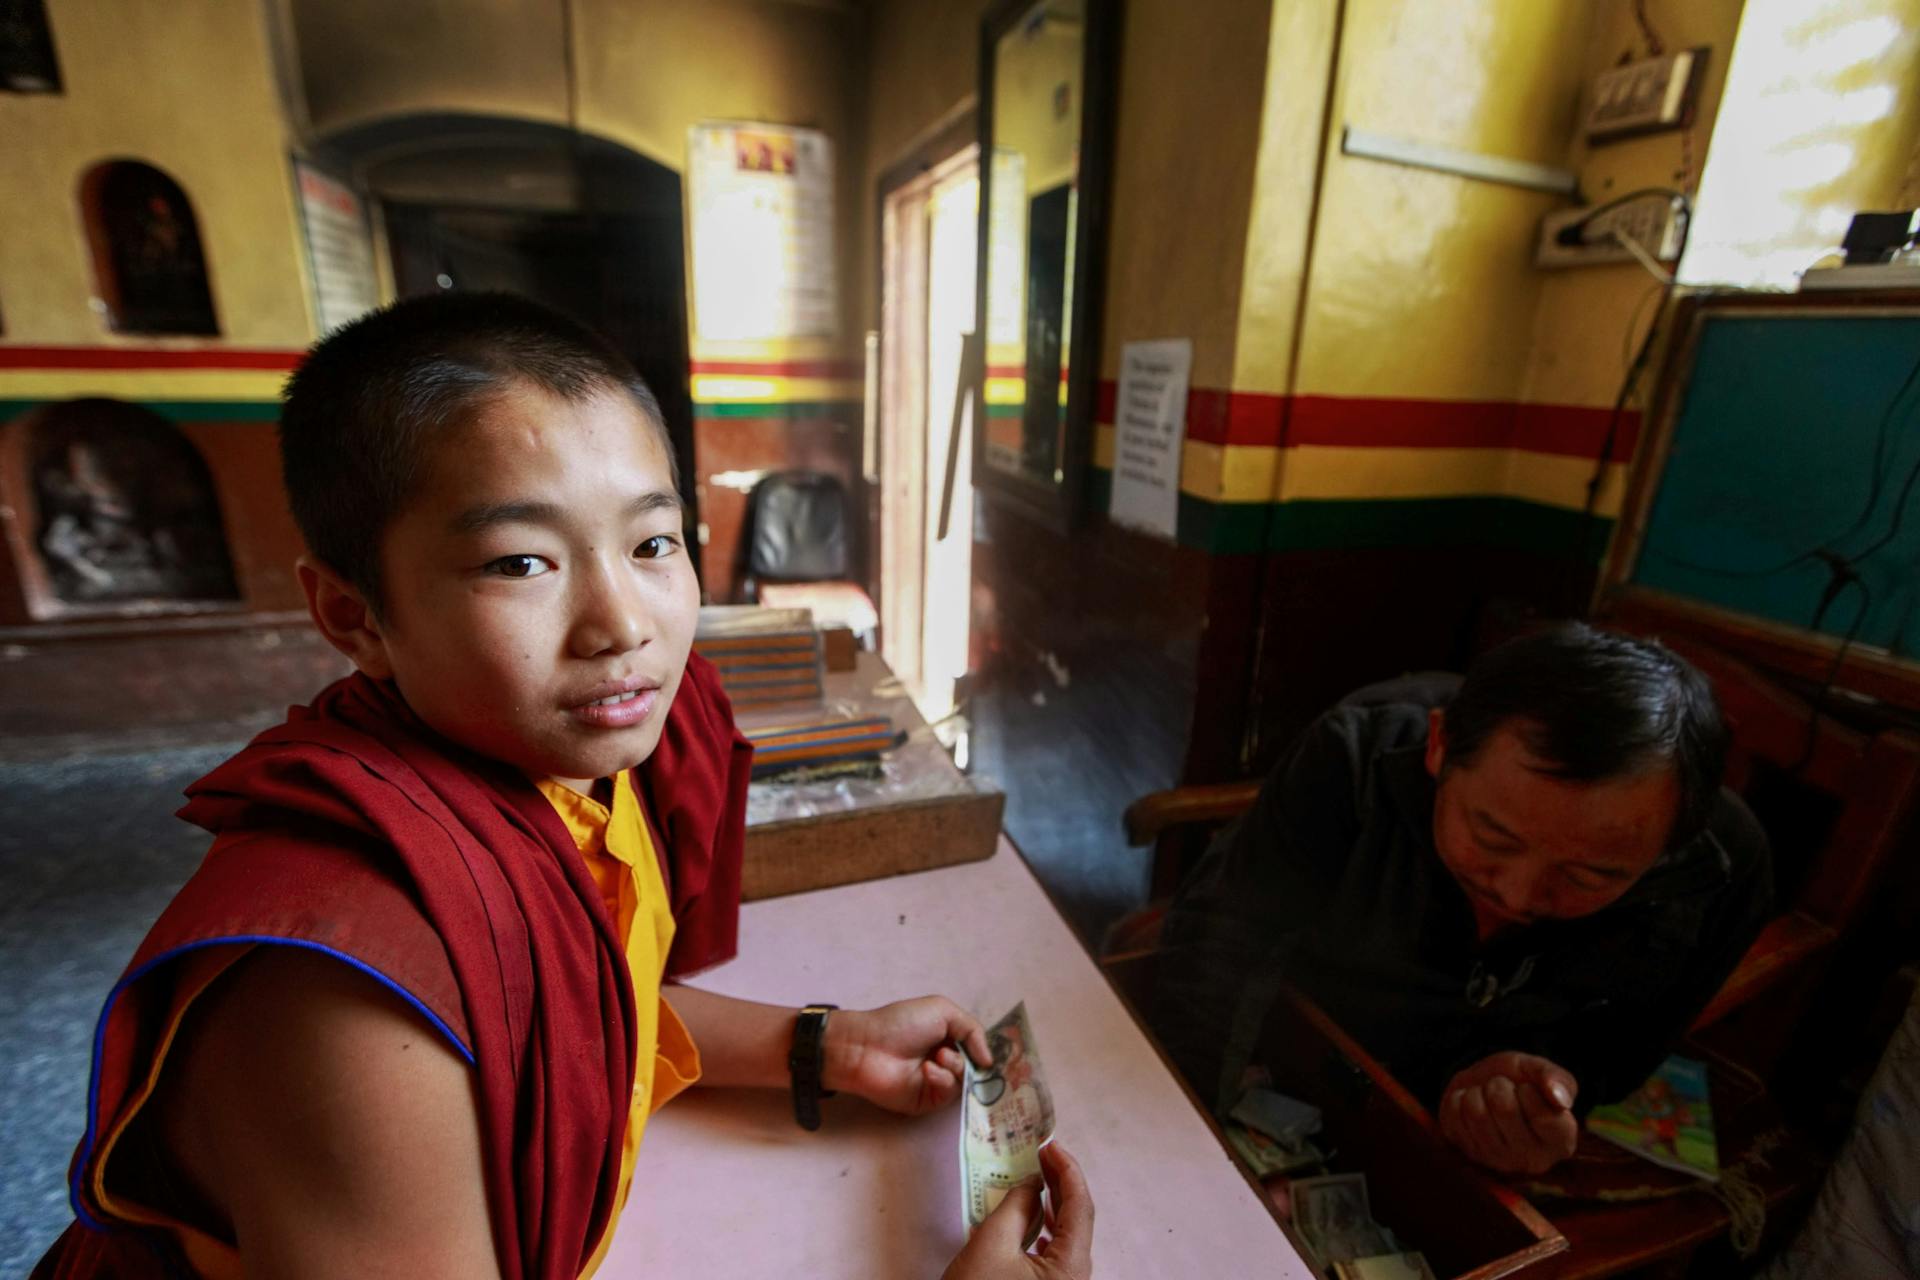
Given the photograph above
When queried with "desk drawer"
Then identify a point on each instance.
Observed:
(1468, 1226)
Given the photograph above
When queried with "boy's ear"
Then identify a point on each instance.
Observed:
(342, 615)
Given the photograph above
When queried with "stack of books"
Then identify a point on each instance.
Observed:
(764, 656)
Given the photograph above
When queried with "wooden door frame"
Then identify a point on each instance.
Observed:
(946, 139)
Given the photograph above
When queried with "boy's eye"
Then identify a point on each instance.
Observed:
(654, 548)
(518, 566)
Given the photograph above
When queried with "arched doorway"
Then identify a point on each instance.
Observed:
(577, 222)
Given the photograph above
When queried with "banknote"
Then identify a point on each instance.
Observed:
(1264, 1155)
(1386, 1266)
(1006, 1117)
(1276, 1115)
(1335, 1218)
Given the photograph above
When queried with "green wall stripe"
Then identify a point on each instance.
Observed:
(176, 410)
(849, 409)
(1318, 524)
(1314, 524)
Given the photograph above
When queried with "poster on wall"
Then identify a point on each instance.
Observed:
(1150, 431)
(339, 247)
(760, 201)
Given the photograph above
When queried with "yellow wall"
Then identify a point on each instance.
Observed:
(1029, 69)
(187, 88)
(645, 72)
(1183, 178)
(1421, 282)
(1581, 319)
(922, 69)
(1184, 141)
(1404, 284)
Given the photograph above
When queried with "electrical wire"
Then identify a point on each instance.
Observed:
(1874, 489)
(1880, 452)
(1635, 367)
(1899, 516)
(1817, 708)
(1655, 46)
(1645, 259)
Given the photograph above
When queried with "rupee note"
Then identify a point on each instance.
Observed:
(1006, 1117)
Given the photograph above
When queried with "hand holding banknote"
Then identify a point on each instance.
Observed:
(902, 1056)
(997, 1249)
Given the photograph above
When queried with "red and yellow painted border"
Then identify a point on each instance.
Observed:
(184, 384)
(1275, 472)
(775, 388)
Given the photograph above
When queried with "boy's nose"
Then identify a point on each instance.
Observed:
(613, 618)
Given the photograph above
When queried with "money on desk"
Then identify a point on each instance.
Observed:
(1335, 1219)
(1265, 1156)
(1006, 1117)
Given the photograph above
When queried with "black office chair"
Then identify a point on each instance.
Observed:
(797, 529)
(799, 550)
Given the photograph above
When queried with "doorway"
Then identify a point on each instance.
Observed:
(928, 250)
(582, 224)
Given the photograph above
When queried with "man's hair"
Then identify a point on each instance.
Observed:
(371, 399)
(1592, 704)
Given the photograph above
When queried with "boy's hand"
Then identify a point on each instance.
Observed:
(901, 1056)
(994, 1253)
(1512, 1112)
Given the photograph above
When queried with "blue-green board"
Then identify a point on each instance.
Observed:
(1773, 457)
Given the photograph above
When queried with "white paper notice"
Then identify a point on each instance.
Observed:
(761, 201)
(339, 248)
(1150, 427)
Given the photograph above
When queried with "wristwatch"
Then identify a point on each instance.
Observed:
(806, 1063)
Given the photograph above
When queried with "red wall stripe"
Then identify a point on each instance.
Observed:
(782, 368)
(1254, 418)
(146, 358)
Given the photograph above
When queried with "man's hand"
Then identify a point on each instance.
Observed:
(994, 1253)
(1512, 1112)
(901, 1056)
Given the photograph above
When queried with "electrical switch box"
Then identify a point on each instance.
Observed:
(1647, 96)
(1655, 222)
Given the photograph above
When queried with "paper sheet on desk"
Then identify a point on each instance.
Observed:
(1006, 1117)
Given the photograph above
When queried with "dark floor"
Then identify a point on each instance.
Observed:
(90, 853)
(1070, 758)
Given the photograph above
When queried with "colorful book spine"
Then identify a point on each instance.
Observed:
(769, 667)
(788, 746)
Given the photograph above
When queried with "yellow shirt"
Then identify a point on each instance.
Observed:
(620, 855)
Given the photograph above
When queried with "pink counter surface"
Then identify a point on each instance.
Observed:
(728, 1185)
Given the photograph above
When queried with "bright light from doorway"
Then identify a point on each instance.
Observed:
(1810, 131)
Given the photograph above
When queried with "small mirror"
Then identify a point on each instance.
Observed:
(1046, 91)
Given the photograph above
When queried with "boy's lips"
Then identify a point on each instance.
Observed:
(618, 704)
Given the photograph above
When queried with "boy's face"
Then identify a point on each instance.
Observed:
(539, 602)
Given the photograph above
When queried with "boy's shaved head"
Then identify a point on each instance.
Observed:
(370, 400)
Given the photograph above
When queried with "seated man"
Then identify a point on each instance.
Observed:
(1516, 889)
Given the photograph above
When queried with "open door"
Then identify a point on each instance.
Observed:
(928, 249)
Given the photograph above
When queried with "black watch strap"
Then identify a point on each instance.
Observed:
(806, 1062)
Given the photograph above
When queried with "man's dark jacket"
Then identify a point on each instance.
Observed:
(1331, 882)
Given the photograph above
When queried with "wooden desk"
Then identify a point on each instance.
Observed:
(921, 813)
(729, 1186)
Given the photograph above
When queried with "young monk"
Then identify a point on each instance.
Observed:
(407, 1019)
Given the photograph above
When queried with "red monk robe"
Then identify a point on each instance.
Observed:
(355, 830)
